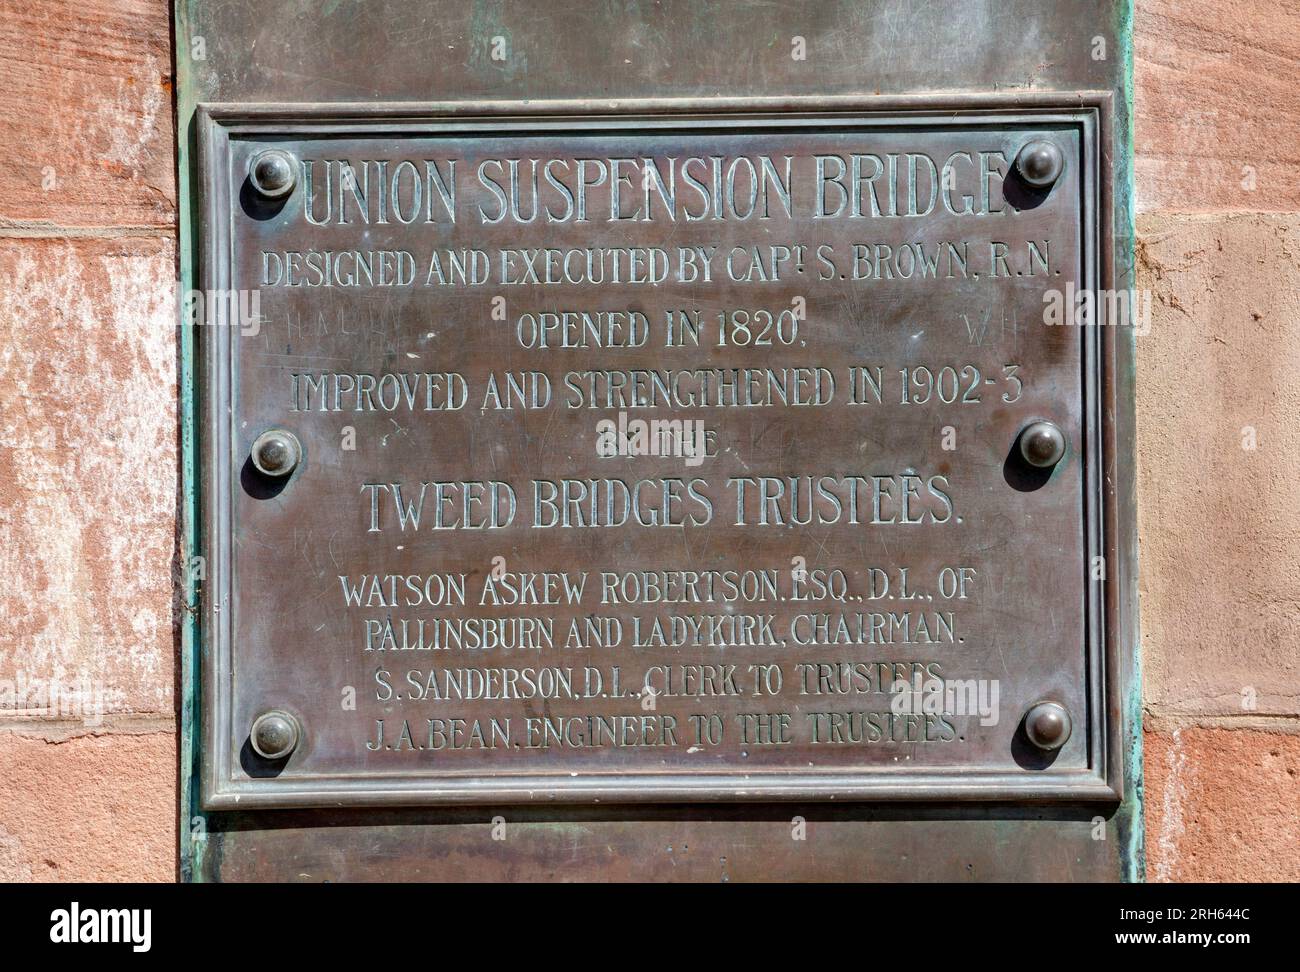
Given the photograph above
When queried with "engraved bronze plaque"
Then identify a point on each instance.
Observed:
(657, 451)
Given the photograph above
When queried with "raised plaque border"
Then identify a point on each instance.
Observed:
(1107, 409)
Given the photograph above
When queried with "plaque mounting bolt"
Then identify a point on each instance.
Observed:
(275, 734)
(276, 453)
(1047, 725)
(1040, 164)
(272, 173)
(1042, 444)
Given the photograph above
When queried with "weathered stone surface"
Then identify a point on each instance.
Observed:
(1222, 805)
(86, 95)
(1219, 520)
(91, 808)
(1217, 118)
(88, 482)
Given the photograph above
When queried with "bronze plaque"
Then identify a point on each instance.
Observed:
(656, 452)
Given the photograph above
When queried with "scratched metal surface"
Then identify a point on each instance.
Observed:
(431, 50)
(436, 52)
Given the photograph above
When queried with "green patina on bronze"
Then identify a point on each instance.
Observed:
(449, 843)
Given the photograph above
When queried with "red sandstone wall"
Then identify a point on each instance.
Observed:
(1217, 146)
(88, 440)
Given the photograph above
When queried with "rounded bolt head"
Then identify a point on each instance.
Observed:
(1042, 444)
(274, 734)
(1047, 725)
(272, 173)
(276, 453)
(1040, 164)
